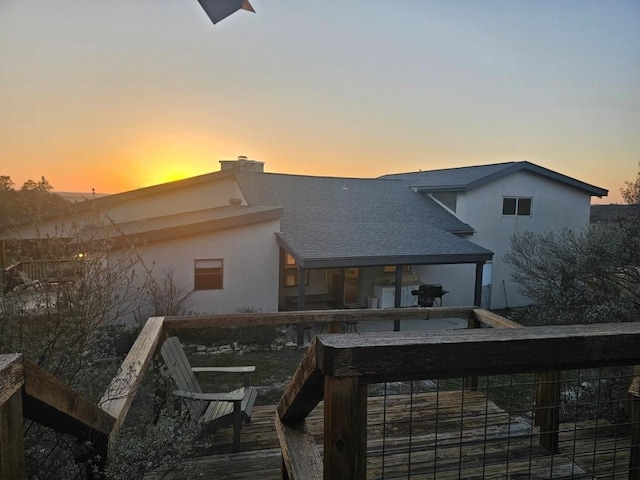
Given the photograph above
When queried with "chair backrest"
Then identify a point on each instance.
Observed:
(181, 373)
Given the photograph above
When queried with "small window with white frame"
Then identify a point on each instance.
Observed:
(519, 206)
(209, 274)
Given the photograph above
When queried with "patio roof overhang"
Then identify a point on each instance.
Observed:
(428, 257)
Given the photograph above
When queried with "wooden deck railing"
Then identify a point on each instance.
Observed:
(336, 368)
(46, 270)
(339, 368)
(27, 391)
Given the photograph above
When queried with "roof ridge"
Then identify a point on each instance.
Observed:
(505, 164)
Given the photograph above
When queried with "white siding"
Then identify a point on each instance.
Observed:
(458, 280)
(250, 256)
(215, 193)
(555, 206)
(195, 197)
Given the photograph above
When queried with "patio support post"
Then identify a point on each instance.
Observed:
(398, 296)
(301, 290)
(477, 294)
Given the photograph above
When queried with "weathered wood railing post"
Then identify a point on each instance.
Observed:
(481, 316)
(547, 408)
(471, 383)
(11, 438)
(345, 428)
(11, 417)
(634, 424)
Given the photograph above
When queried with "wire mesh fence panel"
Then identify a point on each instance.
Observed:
(440, 429)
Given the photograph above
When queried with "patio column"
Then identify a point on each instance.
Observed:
(477, 295)
(398, 296)
(301, 290)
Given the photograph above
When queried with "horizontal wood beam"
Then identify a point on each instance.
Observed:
(439, 354)
(315, 316)
(54, 404)
(305, 390)
(48, 401)
(120, 394)
(300, 452)
(494, 320)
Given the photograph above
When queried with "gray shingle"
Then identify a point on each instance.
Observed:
(344, 218)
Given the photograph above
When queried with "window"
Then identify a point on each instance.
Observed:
(516, 206)
(291, 272)
(392, 269)
(208, 275)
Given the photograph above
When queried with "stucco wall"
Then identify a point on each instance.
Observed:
(250, 255)
(195, 197)
(555, 206)
(457, 280)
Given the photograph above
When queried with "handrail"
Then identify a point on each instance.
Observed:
(28, 391)
(493, 320)
(338, 368)
(316, 316)
(122, 390)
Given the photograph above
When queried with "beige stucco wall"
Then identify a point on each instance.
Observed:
(250, 256)
(167, 202)
(194, 197)
(457, 280)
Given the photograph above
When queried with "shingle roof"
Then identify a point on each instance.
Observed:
(346, 222)
(467, 178)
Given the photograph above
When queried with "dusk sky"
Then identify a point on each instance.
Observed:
(119, 94)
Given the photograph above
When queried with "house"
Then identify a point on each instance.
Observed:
(498, 201)
(243, 239)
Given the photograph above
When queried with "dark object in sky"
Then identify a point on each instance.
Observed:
(219, 9)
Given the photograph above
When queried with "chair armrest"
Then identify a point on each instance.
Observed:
(246, 369)
(210, 397)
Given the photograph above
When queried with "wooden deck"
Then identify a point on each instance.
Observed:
(466, 436)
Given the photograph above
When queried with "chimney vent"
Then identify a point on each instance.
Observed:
(243, 164)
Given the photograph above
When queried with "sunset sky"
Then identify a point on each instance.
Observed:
(120, 94)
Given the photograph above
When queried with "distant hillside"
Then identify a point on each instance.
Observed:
(80, 196)
(607, 213)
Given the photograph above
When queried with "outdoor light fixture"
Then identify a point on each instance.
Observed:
(219, 9)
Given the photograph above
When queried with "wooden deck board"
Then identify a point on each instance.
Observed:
(441, 444)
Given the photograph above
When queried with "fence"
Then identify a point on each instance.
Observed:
(514, 380)
(461, 432)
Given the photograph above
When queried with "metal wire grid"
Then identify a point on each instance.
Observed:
(441, 429)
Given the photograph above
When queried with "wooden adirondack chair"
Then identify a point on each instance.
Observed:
(215, 410)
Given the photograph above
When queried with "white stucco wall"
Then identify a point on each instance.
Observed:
(215, 193)
(194, 197)
(555, 206)
(250, 256)
(457, 280)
